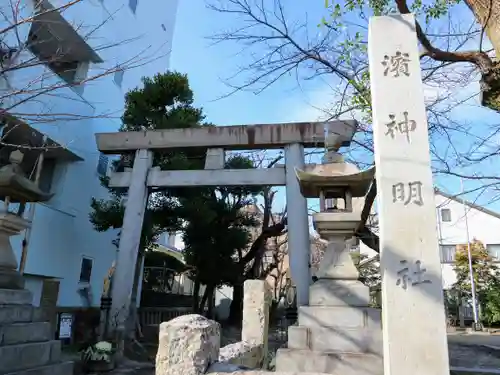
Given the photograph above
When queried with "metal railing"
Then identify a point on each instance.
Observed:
(154, 316)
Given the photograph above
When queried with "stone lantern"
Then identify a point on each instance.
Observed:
(338, 333)
(341, 188)
(15, 187)
(30, 348)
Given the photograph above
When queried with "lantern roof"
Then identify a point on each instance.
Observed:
(334, 179)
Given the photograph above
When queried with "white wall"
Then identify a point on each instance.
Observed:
(62, 233)
(482, 226)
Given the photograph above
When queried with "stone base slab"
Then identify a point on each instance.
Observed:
(345, 317)
(336, 339)
(293, 360)
(63, 368)
(256, 372)
(332, 292)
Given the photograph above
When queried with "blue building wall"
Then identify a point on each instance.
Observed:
(61, 232)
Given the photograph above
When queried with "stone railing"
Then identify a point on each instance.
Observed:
(190, 344)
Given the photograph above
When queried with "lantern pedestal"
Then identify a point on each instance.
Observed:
(10, 225)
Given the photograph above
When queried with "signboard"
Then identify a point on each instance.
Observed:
(65, 325)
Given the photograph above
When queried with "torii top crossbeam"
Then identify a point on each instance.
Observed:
(238, 137)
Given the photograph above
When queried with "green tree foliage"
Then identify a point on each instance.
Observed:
(486, 279)
(211, 219)
(369, 269)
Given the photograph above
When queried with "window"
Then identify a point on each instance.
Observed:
(448, 253)
(133, 5)
(102, 165)
(445, 215)
(118, 78)
(47, 175)
(86, 269)
(494, 251)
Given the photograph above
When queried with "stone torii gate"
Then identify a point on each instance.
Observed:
(292, 137)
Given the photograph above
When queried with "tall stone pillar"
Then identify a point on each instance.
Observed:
(298, 224)
(412, 289)
(130, 237)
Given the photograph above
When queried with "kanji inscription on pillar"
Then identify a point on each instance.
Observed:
(408, 193)
(396, 65)
(403, 126)
(411, 274)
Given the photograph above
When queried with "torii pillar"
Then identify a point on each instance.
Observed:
(298, 224)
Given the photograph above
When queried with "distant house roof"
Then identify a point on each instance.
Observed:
(470, 204)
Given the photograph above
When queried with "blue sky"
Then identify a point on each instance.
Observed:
(207, 65)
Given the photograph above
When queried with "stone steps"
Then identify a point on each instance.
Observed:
(28, 356)
(15, 297)
(295, 360)
(19, 333)
(15, 314)
(62, 368)
(336, 339)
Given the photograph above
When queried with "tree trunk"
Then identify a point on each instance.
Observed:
(487, 13)
(210, 301)
(205, 299)
(196, 295)
(236, 307)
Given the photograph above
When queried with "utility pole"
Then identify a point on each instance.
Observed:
(469, 256)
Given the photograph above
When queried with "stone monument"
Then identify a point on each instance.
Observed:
(26, 342)
(414, 330)
(338, 333)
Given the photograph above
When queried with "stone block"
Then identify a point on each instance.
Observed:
(330, 292)
(347, 317)
(24, 356)
(187, 345)
(15, 297)
(15, 314)
(350, 340)
(64, 368)
(19, 333)
(298, 337)
(256, 301)
(293, 360)
(247, 354)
